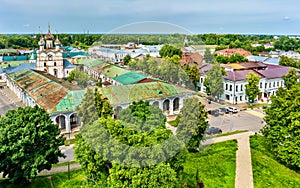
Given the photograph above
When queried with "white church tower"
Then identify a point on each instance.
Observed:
(50, 59)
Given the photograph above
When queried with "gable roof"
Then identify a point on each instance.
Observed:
(21, 67)
(51, 94)
(129, 78)
(125, 94)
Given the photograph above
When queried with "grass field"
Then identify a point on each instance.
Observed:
(215, 164)
(267, 171)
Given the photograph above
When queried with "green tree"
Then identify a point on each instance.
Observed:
(29, 143)
(127, 59)
(81, 77)
(282, 125)
(129, 165)
(286, 61)
(214, 80)
(193, 74)
(193, 121)
(168, 50)
(93, 106)
(291, 78)
(252, 89)
(95, 167)
(208, 56)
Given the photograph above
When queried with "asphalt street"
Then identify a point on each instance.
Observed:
(8, 101)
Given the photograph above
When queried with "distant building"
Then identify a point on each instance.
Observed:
(191, 57)
(117, 55)
(271, 78)
(50, 57)
(230, 52)
(59, 98)
(169, 98)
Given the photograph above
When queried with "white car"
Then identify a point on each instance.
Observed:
(232, 109)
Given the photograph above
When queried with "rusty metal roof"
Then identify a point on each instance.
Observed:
(53, 95)
(144, 91)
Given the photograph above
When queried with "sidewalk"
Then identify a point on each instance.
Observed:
(244, 174)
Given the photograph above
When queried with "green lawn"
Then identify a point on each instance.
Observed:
(215, 164)
(38, 182)
(267, 171)
(77, 179)
(59, 180)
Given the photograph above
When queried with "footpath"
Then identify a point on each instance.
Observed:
(244, 174)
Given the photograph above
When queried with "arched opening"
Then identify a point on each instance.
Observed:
(117, 111)
(156, 103)
(61, 121)
(74, 120)
(176, 104)
(55, 72)
(166, 105)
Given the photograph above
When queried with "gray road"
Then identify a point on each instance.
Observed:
(242, 120)
(69, 152)
(8, 101)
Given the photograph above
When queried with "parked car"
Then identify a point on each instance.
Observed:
(224, 110)
(214, 112)
(232, 109)
(213, 130)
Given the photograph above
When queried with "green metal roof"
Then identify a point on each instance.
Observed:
(70, 101)
(129, 78)
(113, 71)
(90, 62)
(144, 91)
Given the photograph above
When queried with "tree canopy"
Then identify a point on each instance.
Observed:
(282, 125)
(235, 58)
(29, 143)
(169, 51)
(252, 89)
(291, 78)
(81, 77)
(213, 81)
(114, 152)
(208, 56)
(193, 122)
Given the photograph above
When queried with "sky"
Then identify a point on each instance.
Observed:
(156, 16)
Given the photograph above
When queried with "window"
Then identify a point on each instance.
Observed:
(50, 57)
(54, 64)
(273, 84)
(45, 64)
(266, 85)
(236, 88)
(270, 85)
(260, 85)
(230, 88)
(241, 98)
(278, 84)
(226, 87)
(242, 87)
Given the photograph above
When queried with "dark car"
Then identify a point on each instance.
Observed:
(214, 130)
(225, 110)
(213, 112)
